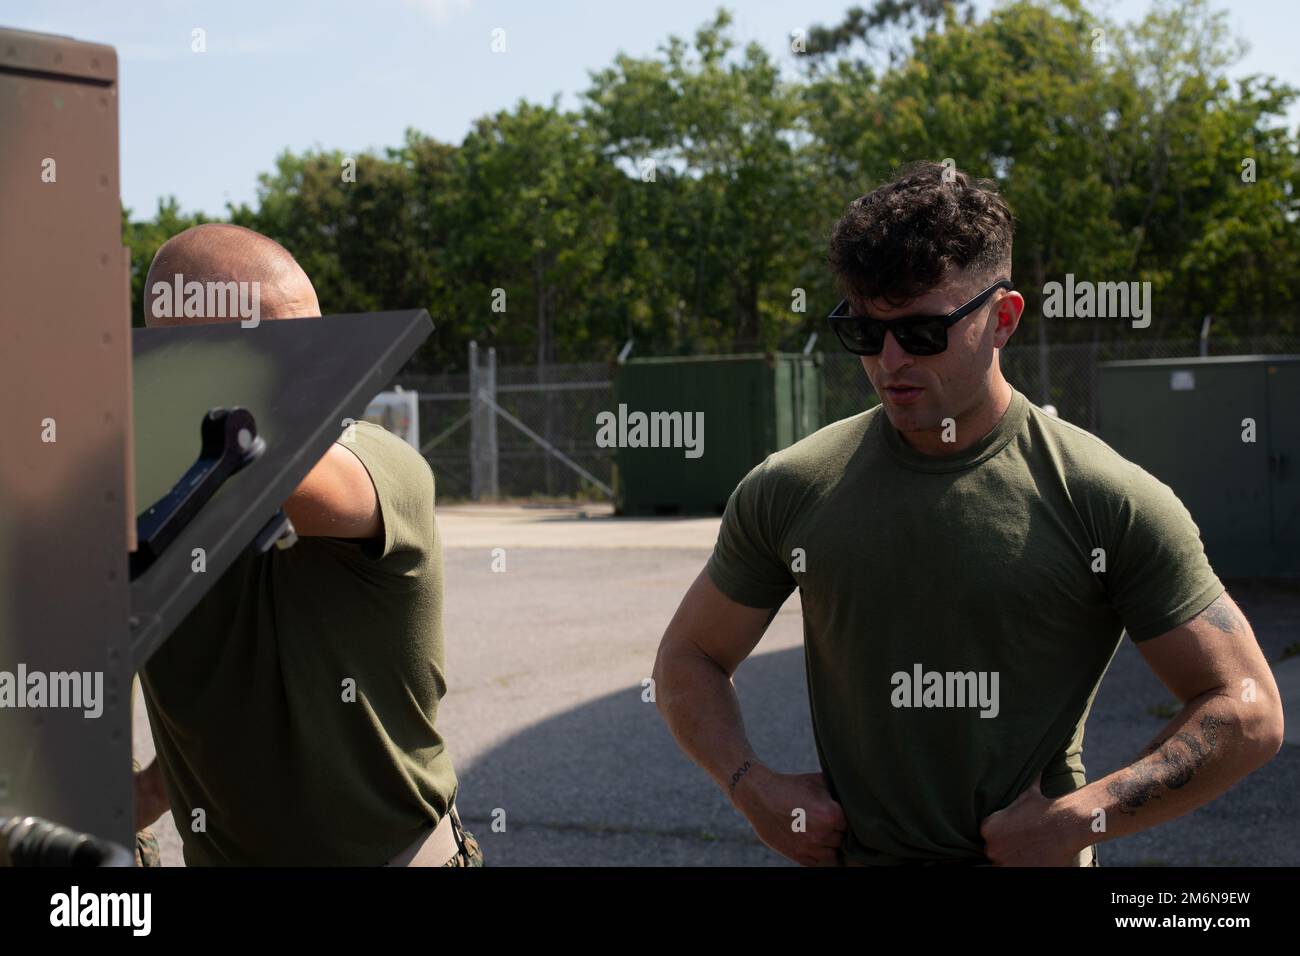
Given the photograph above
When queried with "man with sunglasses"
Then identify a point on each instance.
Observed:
(967, 565)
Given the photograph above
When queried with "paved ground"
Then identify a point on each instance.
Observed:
(552, 736)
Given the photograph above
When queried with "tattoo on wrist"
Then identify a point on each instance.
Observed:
(1174, 761)
(743, 769)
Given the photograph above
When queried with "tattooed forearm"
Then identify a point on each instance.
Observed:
(740, 772)
(1223, 615)
(1172, 763)
(1153, 747)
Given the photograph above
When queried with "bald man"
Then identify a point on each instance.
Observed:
(293, 710)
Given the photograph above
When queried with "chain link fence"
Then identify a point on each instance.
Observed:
(545, 417)
(557, 404)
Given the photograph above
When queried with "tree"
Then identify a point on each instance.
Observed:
(143, 238)
(726, 140)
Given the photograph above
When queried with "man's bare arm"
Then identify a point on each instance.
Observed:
(707, 639)
(337, 499)
(1230, 725)
(150, 795)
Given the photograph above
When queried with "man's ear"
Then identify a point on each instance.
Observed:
(1007, 313)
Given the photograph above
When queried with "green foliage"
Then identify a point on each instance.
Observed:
(693, 191)
(144, 238)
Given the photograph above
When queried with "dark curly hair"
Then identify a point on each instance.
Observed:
(900, 240)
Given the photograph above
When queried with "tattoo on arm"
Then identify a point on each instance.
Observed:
(1176, 760)
(740, 772)
(1223, 615)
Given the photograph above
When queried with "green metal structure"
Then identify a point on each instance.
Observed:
(1224, 434)
(751, 406)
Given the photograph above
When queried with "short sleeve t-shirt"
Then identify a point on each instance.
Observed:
(959, 611)
(295, 706)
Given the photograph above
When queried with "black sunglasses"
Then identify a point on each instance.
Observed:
(917, 334)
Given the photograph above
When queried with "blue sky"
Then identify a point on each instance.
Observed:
(353, 76)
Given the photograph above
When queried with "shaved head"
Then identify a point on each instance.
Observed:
(215, 255)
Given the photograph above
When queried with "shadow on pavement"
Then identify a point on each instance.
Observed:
(604, 784)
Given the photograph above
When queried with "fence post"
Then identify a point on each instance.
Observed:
(476, 436)
(491, 484)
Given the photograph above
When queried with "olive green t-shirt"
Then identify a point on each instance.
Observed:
(296, 705)
(959, 611)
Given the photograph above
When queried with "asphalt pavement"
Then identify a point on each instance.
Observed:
(563, 761)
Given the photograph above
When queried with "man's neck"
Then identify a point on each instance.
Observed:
(973, 424)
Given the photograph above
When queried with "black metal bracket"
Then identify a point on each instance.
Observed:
(229, 442)
(276, 533)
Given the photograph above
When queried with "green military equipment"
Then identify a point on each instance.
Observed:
(748, 406)
(1224, 433)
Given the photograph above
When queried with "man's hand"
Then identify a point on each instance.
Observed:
(150, 796)
(769, 802)
(1032, 831)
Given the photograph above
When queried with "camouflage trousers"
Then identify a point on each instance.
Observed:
(146, 849)
(146, 844)
(470, 854)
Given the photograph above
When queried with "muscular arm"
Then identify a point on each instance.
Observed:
(1212, 664)
(150, 795)
(707, 639)
(337, 499)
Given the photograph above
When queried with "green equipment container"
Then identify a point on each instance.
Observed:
(752, 405)
(1185, 421)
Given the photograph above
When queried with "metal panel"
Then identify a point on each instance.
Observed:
(752, 407)
(782, 378)
(1284, 460)
(807, 398)
(64, 374)
(1183, 420)
(300, 378)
